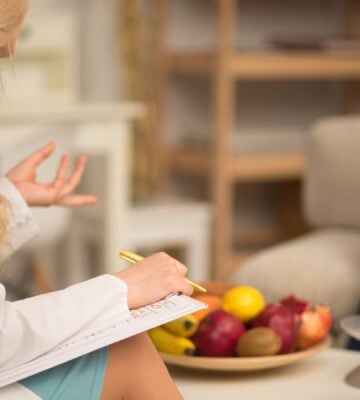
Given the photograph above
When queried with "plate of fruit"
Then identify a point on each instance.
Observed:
(240, 332)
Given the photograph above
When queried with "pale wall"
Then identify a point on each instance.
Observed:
(100, 69)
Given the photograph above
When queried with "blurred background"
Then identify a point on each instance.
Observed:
(194, 115)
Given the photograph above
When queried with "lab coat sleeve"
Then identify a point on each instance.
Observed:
(22, 224)
(31, 327)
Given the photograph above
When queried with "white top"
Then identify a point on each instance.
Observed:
(31, 327)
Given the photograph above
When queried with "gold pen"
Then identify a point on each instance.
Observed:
(134, 258)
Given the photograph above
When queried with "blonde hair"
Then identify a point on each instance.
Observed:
(12, 13)
(4, 222)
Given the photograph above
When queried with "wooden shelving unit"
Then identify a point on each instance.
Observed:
(224, 67)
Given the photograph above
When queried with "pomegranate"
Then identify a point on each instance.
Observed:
(218, 334)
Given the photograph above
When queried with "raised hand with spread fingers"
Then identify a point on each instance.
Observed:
(59, 191)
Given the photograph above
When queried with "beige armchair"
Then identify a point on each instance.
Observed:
(322, 266)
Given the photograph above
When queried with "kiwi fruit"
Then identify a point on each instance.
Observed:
(258, 342)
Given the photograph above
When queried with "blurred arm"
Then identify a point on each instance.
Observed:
(22, 224)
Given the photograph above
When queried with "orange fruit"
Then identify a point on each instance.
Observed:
(213, 302)
(244, 302)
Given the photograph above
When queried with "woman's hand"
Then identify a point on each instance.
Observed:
(154, 278)
(57, 192)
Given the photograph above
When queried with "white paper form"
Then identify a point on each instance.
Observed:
(140, 320)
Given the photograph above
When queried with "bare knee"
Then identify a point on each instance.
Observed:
(135, 344)
(142, 339)
(136, 360)
(128, 354)
(126, 361)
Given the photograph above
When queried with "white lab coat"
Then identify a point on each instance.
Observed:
(31, 327)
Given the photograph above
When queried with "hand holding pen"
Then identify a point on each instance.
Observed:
(153, 278)
(134, 258)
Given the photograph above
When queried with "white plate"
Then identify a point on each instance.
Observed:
(351, 325)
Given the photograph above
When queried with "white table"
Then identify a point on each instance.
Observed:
(320, 377)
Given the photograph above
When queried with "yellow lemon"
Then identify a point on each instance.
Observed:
(245, 302)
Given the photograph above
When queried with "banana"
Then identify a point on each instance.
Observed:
(166, 342)
(185, 326)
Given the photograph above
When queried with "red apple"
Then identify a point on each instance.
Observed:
(281, 320)
(218, 334)
(325, 315)
(314, 326)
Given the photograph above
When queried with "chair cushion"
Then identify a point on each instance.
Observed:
(332, 185)
(322, 267)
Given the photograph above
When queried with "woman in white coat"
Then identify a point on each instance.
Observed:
(130, 369)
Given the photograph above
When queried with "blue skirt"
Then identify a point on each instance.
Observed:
(81, 378)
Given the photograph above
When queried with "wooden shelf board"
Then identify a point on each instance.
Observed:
(291, 65)
(266, 167)
(243, 168)
(269, 65)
